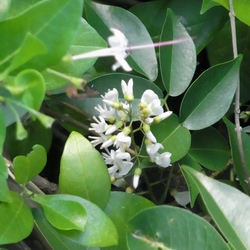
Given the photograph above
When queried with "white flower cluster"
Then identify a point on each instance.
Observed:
(114, 130)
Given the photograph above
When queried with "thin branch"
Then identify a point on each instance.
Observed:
(238, 128)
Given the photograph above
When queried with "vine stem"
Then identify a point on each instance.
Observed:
(238, 128)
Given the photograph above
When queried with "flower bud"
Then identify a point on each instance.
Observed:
(129, 190)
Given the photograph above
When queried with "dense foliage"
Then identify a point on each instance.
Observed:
(157, 153)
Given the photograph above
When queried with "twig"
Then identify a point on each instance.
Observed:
(238, 128)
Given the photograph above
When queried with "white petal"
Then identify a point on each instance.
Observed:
(136, 179)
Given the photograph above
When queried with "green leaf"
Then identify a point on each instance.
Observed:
(16, 220)
(27, 167)
(220, 50)
(31, 47)
(241, 8)
(210, 96)
(121, 208)
(166, 227)
(178, 61)
(192, 187)
(103, 17)
(83, 171)
(53, 22)
(228, 207)
(207, 4)
(58, 211)
(2, 130)
(87, 39)
(4, 8)
(236, 154)
(5, 194)
(99, 231)
(200, 27)
(175, 138)
(210, 149)
(33, 85)
(110, 81)
(37, 134)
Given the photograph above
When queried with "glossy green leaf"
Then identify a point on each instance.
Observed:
(207, 4)
(210, 96)
(58, 211)
(192, 187)
(228, 207)
(103, 17)
(166, 227)
(87, 39)
(190, 161)
(37, 134)
(27, 167)
(33, 85)
(31, 47)
(53, 22)
(4, 8)
(17, 7)
(5, 194)
(241, 8)
(201, 28)
(21, 133)
(236, 154)
(2, 130)
(99, 231)
(83, 171)
(175, 138)
(121, 208)
(220, 50)
(178, 61)
(3, 168)
(16, 220)
(110, 81)
(210, 149)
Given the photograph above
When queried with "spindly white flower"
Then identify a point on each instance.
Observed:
(127, 90)
(163, 159)
(96, 140)
(106, 112)
(118, 48)
(119, 43)
(100, 126)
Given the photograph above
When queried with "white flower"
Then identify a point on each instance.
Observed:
(100, 126)
(122, 141)
(151, 102)
(150, 136)
(162, 116)
(111, 97)
(118, 45)
(105, 112)
(108, 142)
(120, 162)
(152, 150)
(163, 159)
(96, 140)
(127, 90)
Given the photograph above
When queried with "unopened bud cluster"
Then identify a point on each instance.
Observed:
(114, 128)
